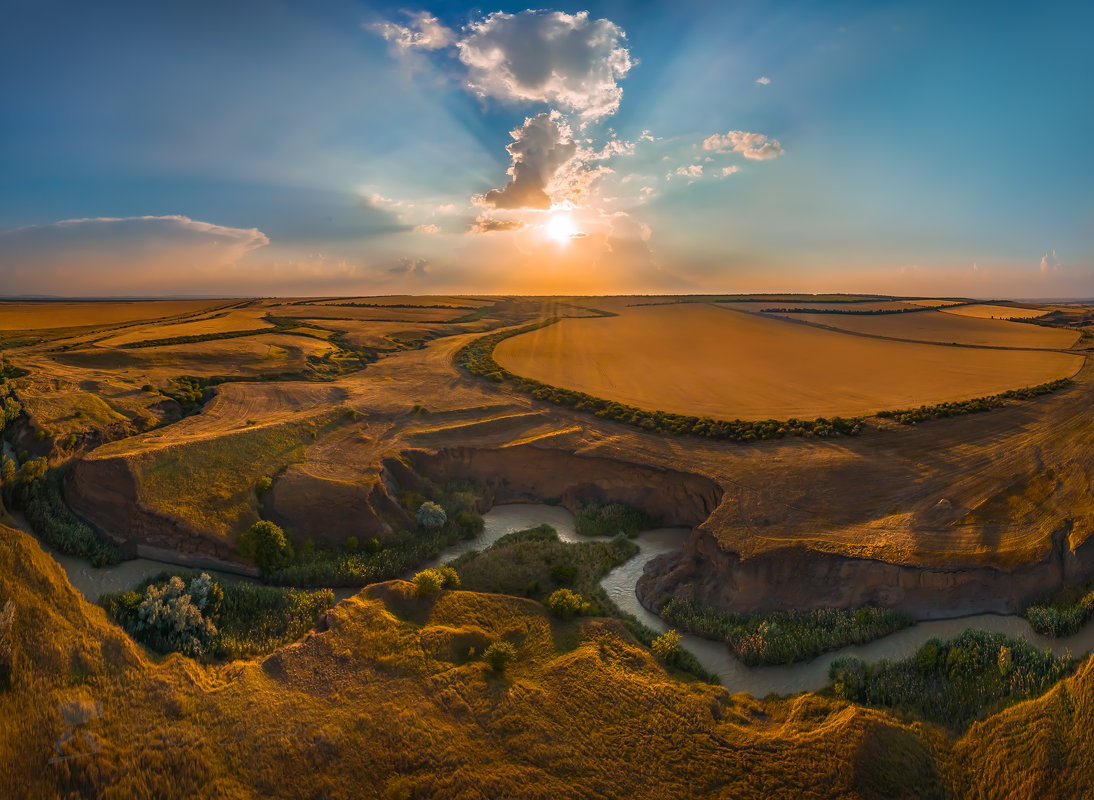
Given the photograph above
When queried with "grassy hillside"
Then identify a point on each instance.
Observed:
(387, 701)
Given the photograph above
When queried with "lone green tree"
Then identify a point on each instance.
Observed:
(266, 544)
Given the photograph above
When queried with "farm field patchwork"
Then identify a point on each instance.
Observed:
(946, 328)
(221, 322)
(997, 312)
(708, 361)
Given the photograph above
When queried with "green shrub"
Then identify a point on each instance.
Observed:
(431, 581)
(565, 604)
(499, 655)
(667, 647)
(351, 544)
(265, 544)
(263, 485)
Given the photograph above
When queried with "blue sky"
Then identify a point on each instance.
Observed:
(339, 147)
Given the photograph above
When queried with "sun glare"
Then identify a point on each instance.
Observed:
(560, 228)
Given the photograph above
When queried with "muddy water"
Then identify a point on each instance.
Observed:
(802, 677)
(619, 584)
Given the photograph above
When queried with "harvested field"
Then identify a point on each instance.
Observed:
(932, 303)
(326, 313)
(998, 312)
(246, 356)
(936, 326)
(43, 316)
(709, 361)
(224, 322)
(383, 335)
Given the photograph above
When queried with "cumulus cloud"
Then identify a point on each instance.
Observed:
(751, 145)
(729, 170)
(763, 80)
(485, 224)
(1050, 263)
(691, 171)
(423, 32)
(427, 228)
(540, 147)
(412, 267)
(564, 60)
(119, 255)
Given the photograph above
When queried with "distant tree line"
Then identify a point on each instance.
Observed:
(910, 416)
(855, 311)
(477, 358)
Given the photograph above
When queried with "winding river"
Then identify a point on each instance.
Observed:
(619, 584)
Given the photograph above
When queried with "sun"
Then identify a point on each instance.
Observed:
(560, 228)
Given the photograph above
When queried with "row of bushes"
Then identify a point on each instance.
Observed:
(910, 416)
(35, 489)
(477, 358)
(856, 311)
(191, 613)
(784, 637)
(952, 683)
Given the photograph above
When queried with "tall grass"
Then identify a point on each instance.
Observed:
(952, 683)
(784, 637)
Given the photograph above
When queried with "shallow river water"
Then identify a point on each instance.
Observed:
(619, 584)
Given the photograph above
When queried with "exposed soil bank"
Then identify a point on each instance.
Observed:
(528, 473)
(104, 492)
(804, 579)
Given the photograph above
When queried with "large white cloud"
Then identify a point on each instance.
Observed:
(751, 145)
(540, 147)
(565, 60)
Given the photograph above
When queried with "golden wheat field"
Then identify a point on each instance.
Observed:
(709, 361)
(937, 326)
(221, 322)
(39, 316)
(997, 312)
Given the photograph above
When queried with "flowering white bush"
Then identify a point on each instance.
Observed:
(173, 613)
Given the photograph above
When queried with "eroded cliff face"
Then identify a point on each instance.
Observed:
(104, 493)
(529, 473)
(329, 511)
(798, 578)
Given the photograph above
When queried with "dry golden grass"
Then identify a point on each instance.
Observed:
(707, 361)
(998, 312)
(386, 702)
(235, 320)
(47, 315)
(937, 326)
